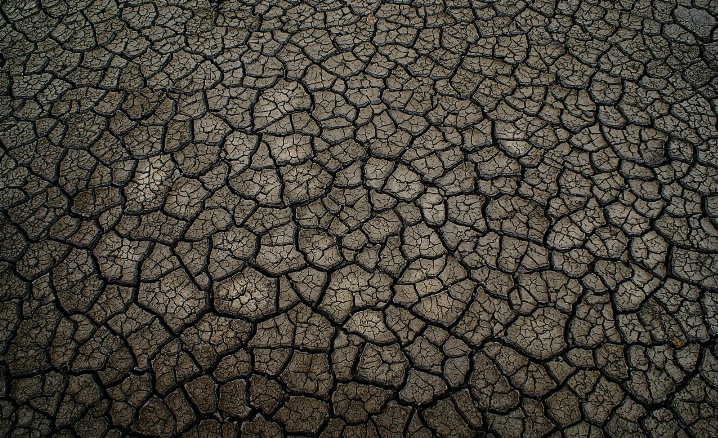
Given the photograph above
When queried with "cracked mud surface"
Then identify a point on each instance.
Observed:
(369, 219)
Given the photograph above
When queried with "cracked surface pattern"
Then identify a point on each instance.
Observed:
(359, 218)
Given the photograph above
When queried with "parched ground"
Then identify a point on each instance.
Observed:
(359, 219)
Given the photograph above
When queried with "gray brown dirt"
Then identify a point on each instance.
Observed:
(363, 219)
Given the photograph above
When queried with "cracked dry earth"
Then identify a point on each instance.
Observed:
(362, 219)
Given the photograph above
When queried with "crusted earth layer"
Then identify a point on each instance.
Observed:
(360, 218)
